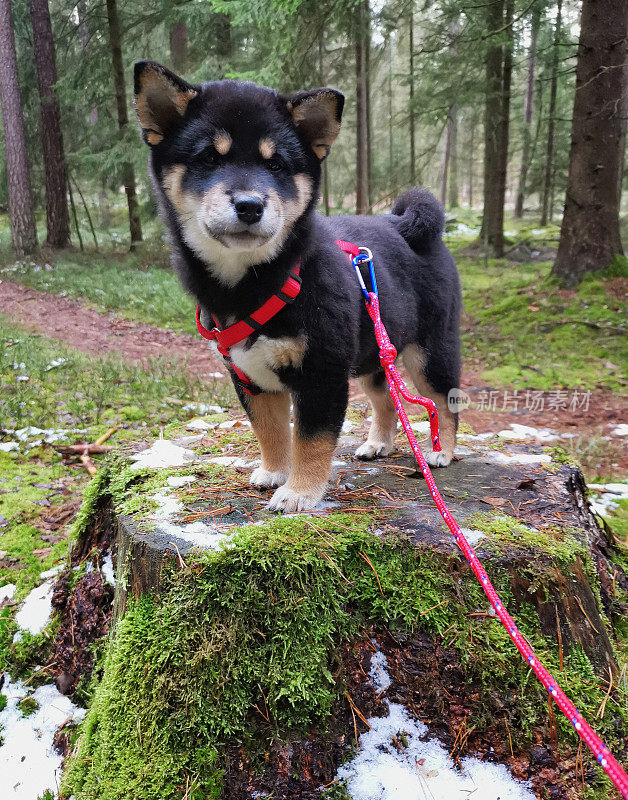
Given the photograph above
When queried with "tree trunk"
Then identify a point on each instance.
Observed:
(179, 46)
(453, 160)
(391, 160)
(528, 112)
(22, 218)
(128, 173)
(362, 149)
(446, 157)
(549, 154)
(493, 218)
(57, 215)
(590, 234)
(411, 97)
(471, 161)
(83, 36)
(504, 122)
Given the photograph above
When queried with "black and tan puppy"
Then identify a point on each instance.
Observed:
(236, 170)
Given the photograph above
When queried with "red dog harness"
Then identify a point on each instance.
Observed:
(226, 338)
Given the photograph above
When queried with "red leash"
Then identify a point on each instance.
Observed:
(387, 356)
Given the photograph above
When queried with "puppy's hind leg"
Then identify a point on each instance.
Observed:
(417, 365)
(269, 413)
(381, 438)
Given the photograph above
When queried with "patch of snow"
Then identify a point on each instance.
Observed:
(7, 447)
(462, 230)
(510, 233)
(339, 463)
(472, 536)
(347, 426)
(606, 500)
(378, 674)
(57, 362)
(7, 591)
(420, 427)
(517, 431)
(52, 572)
(495, 457)
(162, 453)
(197, 533)
(620, 430)
(108, 571)
(29, 764)
(177, 481)
(229, 461)
(199, 425)
(35, 611)
(384, 770)
(538, 231)
(476, 437)
(231, 423)
(203, 408)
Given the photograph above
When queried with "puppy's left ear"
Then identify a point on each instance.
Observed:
(317, 115)
(161, 99)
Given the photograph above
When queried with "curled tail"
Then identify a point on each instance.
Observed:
(419, 218)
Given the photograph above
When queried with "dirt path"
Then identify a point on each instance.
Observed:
(101, 333)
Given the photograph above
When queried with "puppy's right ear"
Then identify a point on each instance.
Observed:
(161, 99)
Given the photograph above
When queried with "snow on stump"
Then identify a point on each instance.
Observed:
(348, 652)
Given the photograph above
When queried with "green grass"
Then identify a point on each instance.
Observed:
(526, 332)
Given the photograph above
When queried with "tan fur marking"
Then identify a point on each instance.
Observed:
(223, 142)
(171, 181)
(267, 148)
(158, 103)
(289, 354)
(414, 361)
(270, 418)
(311, 462)
(384, 424)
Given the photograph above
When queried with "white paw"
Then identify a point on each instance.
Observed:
(264, 479)
(370, 450)
(440, 459)
(289, 501)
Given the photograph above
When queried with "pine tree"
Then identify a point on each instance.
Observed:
(57, 216)
(22, 218)
(590, 234)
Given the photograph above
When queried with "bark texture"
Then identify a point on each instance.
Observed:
(57, 215)
(128, 173)
(179, 46)
(22, 218)
(590, 234)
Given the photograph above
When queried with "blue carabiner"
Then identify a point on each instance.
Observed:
(365, 257)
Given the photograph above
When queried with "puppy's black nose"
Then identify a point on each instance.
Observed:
(248, 208)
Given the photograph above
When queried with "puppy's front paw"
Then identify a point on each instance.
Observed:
(287, 500)
(370, 450)
(440, 459)
(264, 479)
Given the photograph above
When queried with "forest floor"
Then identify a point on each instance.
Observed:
(97, 340)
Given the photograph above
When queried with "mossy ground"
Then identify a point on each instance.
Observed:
(254, 630)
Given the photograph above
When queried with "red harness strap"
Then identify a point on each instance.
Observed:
(230, 336)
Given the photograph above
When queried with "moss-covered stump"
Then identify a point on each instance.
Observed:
(246, 653)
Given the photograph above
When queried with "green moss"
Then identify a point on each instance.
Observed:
(28, 706)
(91, 497)
(3, 702)
(257, 625)
(507, 532)
(562, 456)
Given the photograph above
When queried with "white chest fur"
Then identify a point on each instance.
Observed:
(265, 356)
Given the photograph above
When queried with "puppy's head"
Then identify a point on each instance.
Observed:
(238, 163)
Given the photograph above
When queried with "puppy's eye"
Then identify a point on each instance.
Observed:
(275, 164)
(208, 157)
